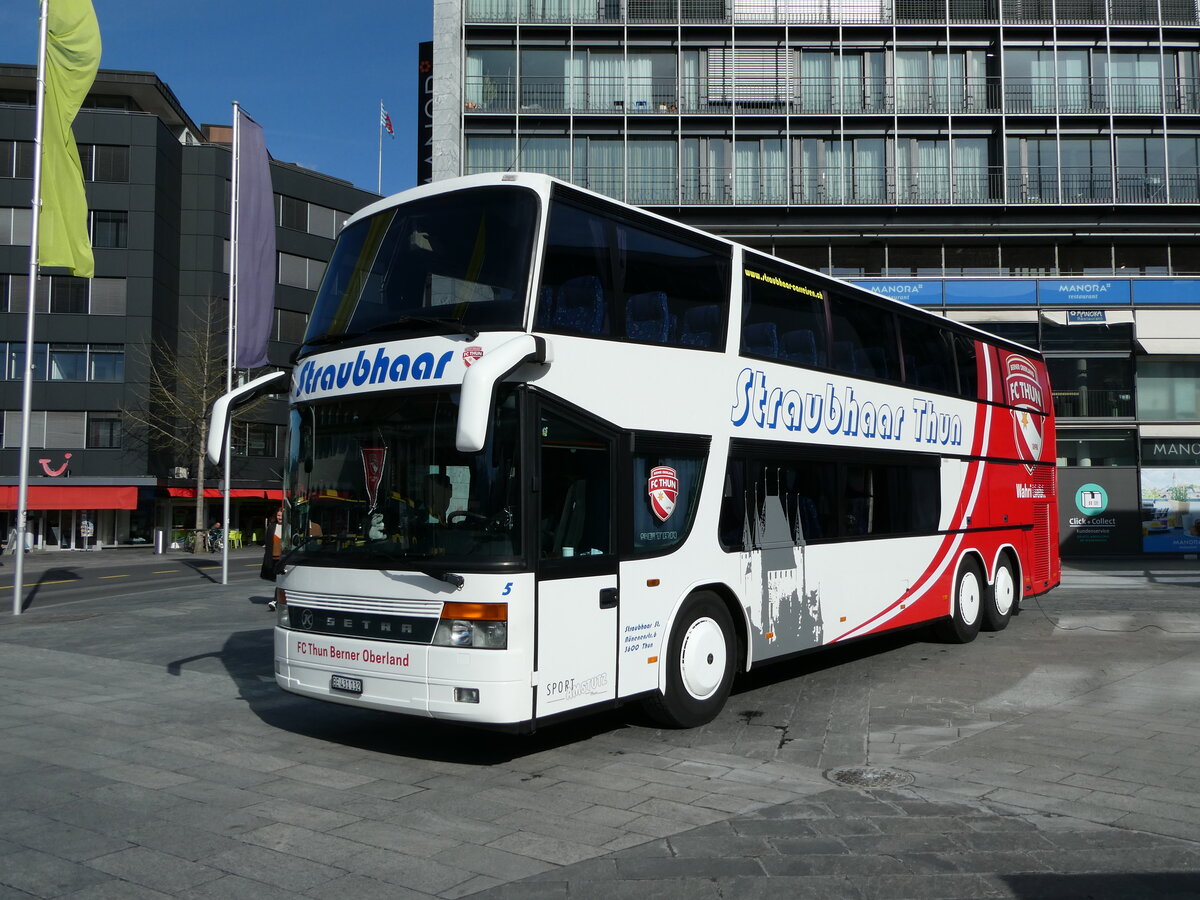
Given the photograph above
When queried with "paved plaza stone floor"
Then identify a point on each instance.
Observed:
(146, 752)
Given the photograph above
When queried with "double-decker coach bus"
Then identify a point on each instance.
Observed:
(550, 452)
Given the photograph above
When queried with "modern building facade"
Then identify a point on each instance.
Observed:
(158, 196)
(1029, 166)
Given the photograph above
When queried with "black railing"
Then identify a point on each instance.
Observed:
(1093, 404)
(796, 12)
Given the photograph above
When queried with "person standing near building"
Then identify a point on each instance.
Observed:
(273, 550)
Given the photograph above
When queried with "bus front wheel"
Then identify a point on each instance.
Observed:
(700, 660)
(965, 618)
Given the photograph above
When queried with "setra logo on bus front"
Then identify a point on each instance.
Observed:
(663, 488)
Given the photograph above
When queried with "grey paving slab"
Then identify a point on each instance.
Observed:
(1058, 751)
(154, 869)
(279, 870)
(115, 889)
(41, 874)
(69, 842)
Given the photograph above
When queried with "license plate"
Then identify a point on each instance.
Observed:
(348, 685)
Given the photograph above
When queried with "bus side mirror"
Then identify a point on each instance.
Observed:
(271, 383)
(479, 386)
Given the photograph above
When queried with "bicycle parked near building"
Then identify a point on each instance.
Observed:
(214, 540)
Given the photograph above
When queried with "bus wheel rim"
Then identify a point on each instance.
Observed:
(1005, 590)
(702, 658)
(968, 597)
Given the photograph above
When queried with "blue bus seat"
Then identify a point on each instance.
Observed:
(871, 361)
(647, 317)
(843, 356)
(761, 339)
(545, 307)
(701, 326)
(580, 305)
(799, 346)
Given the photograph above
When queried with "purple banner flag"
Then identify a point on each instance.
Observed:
(253, 248)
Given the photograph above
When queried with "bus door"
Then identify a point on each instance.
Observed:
(577, 601)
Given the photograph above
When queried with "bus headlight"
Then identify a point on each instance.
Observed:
(479, 625)
(281, 608)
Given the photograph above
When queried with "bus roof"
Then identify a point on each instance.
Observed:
(544, 185)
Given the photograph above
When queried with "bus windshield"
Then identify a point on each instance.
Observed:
(377, 483)
(443, 265)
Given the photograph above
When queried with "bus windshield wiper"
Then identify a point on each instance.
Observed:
(329, 338)
(454, 325)
(456, 581)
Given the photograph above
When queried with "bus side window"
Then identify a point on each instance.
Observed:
(928, 355)
(733, 507)
(614, 274)
(881, 498)
(575, 294)
(824, 499)
(666, 491)
(863, 338)
(575, 480)
(783, 318)
(968, 373)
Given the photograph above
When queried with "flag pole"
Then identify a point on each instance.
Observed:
(230, 343)
(379, 178)
(27, 386)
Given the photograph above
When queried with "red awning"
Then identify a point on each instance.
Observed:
(214, 493)
(68, 496)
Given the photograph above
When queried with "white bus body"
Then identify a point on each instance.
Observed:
(620, 511)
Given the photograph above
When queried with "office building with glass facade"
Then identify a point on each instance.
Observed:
(1029, 166)
(158, 195)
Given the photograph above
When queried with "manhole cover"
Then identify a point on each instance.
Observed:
(868, 777)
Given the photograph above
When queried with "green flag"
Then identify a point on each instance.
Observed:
(72, 57)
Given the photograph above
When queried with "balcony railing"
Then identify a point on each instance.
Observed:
(1093, 404)
(691, 11)
(799, 12)
(811, 12)
(825, 95)
(646, 95)
(1048, 184)
(1099, 95)
(715, 185)
(765, 12)
(1145, 186)
(958, 95)
(1182, 95)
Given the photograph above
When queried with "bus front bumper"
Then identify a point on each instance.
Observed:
(436, 682)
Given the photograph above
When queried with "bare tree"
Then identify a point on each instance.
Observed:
(183, 380)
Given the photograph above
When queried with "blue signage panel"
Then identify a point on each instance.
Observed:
(918, 292)
(998, 292)
(1167, 290)
(1108, 292)
(1086, 317)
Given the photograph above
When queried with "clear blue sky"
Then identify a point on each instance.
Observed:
(312, 72)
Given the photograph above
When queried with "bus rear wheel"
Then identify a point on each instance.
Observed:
(969, 589)
(1002, 598)
(700, 660)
